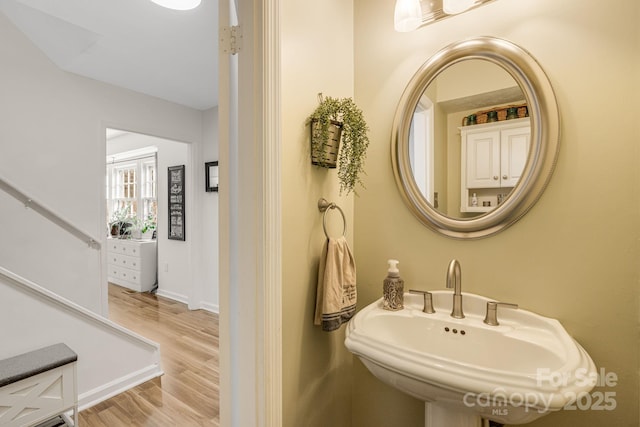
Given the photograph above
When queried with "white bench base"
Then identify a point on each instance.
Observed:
(37, 398)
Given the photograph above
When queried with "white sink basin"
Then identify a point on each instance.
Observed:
(513, 373)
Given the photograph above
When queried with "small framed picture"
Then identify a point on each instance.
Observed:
(211, 176)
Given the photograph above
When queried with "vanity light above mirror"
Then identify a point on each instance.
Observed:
(409, 15)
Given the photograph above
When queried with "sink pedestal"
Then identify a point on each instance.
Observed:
(444, 415)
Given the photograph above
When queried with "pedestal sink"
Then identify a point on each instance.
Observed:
(465, 370)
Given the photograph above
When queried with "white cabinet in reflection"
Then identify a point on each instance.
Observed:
(493, 156)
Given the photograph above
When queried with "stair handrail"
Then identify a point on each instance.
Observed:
(49, 214)
(53, 298)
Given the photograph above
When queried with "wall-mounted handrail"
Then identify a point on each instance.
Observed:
(28, 202)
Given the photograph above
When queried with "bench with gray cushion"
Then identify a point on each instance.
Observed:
(39, 386)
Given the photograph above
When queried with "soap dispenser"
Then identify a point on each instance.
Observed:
(393, 288)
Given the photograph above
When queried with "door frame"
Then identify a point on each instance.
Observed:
(250, 218)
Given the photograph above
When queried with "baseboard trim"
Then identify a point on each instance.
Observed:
(173, 295)
(107, 391)
(210, 307)
(202, 305)
(213, 308)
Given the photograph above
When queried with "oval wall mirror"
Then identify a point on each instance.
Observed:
(475, 138)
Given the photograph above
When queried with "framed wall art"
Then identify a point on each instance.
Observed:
(211, 176)
(176, 189)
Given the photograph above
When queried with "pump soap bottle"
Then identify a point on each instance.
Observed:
(393, 288)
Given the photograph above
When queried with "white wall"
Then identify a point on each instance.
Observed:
(175, 266)
(207, 297)
(52, 145)
(110, 359)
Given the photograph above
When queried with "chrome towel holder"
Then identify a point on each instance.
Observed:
(324, 206)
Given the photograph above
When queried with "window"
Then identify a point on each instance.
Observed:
(132, 189)
(148, 184)
(123, 189)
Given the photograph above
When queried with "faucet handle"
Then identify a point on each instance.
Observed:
(492, 311)
(428, 300)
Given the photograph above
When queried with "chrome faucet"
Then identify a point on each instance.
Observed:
(454, 280)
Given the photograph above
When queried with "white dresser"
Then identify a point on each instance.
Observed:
(132, 263)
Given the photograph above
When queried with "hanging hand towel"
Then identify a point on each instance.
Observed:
(336, 293)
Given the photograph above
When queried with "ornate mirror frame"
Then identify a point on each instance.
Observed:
(543, 149)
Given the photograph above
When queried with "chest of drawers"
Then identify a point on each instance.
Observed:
(132, 263)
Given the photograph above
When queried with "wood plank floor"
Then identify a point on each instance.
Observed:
(188, 393)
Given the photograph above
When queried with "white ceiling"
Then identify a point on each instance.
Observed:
(134, 44)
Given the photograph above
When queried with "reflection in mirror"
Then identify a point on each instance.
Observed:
(441, 133)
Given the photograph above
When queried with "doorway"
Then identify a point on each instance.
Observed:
(137, 181)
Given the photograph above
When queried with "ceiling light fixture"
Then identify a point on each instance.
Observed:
(453, 7)
(178, 4)
(407, 15)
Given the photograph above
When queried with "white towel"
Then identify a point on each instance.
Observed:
(336, 294)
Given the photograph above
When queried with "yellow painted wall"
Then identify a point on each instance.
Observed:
(316, 56)
(574, 256)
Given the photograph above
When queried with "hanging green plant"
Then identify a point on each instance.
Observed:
(336, 120)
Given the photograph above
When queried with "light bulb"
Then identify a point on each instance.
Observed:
(407, 15)
(452, 7)
(178, 4)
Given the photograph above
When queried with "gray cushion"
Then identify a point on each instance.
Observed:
(35, 362)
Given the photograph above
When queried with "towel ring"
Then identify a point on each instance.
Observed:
(324, 206)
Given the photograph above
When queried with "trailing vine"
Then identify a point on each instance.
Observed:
(355, 141)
